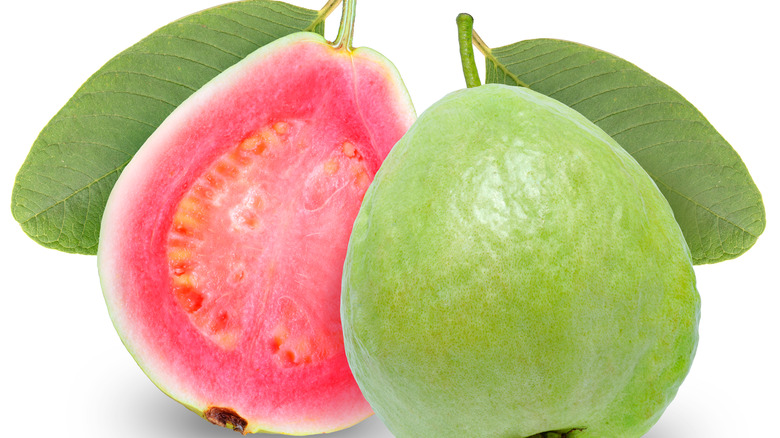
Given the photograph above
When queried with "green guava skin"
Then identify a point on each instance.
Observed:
(513, 271)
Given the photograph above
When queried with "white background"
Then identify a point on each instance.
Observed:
(64, 371)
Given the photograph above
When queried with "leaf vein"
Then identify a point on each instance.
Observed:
(610, 90)
(147, 74)
(563, 70)
(587, 78)
(266, 19)
(509, 52)
(75, 192)
(688, 166)
(525, 60)
(61, 119)
(247, 26)
(129, 93)
(644, 105)
(197, 41)
(701, 206)
(661, 143)
(294, 12)
(183, 58)
(653, 122)
(241, 37)
(102, 145)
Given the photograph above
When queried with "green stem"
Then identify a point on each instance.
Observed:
(347, 26)
(465, 32)
(467, 39)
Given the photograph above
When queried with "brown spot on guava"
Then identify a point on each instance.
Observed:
(226, 417)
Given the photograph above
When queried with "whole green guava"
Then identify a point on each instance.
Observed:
(513, 272)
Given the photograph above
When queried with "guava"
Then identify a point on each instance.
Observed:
(513, 272)
(223, 241)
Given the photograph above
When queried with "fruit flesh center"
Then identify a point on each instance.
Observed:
(249, 242)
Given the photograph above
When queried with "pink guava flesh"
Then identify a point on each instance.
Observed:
(223, 241)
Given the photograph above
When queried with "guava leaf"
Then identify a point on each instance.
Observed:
(63, 185)
(714, 199)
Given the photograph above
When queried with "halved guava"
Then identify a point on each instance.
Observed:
(223, 241)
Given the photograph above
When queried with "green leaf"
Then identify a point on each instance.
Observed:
(63, 185)
(714, 198)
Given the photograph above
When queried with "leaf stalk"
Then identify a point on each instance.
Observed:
(479, 43)
(323, 14)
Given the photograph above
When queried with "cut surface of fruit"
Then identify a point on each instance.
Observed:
(264, 200)
(223, 241)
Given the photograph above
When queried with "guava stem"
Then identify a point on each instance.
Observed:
(467, 39)
(347, 26)
(465, 32)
